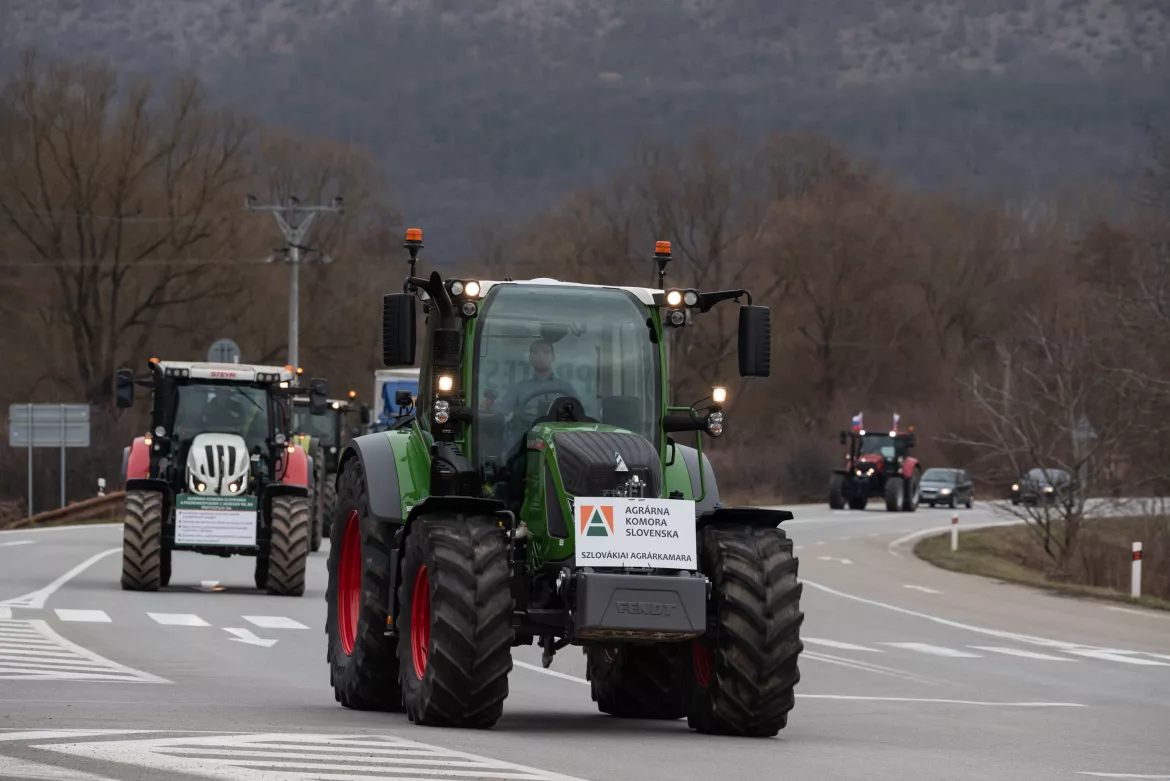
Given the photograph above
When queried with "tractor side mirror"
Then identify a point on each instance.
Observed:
(318, 396)
(364, 414)
(403, 398)
(398, 329)
(755, 341)
(124, 388)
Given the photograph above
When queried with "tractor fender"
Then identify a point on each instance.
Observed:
(150, 484)
(908, 467)
(136, 461)
(125, 463)
(755, 517)
(690, 457)
(376, 455)
(296, 468)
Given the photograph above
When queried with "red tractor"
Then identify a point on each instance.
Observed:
(878, 464)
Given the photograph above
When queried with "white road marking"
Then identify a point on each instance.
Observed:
(945, 701)
(91, 616)
(47, 734)
(891, 548)
(935, 650)
(818, 543)
(33, 651)
(1020, 652)
(839, 644)
(1122, 775)
(272, 755)
(1146, 613)
(17, 542)
(36, 599)
(246, 636)
(868, 667)
(178, 619)
(5, 612)
(834, 558)
(11, 767)
(923, 589)
(66, 528)
(274, 622)
(1114, 655)
(1018, 637)
(553, 673)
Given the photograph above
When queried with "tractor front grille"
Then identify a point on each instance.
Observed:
(589, 465)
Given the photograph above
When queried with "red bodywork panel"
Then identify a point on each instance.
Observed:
(138, 465)
(296, 467)
(908, 467)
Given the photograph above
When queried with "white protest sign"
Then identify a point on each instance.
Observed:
(619, 532)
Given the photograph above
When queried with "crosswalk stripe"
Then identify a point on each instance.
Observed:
(274, 622)
(90, 616)
(1022, 653)
(1110, 655)
(839, 644)
(51, 657)
(178, 619)
(5, 612)
(934, 650)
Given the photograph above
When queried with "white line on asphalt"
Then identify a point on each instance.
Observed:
(67, 528)
(944, 701)
(39, 665)
(797, 547)
(1146, 613)
(17, 542)
(1113, 655)
(5, 612)
(1020, 652)
(1000, 633)
(935, 650)
(178, 619)
(12, 767)
(246, 636)
(839, 644)
(921, 588)
(36, 599)
(47, 734)
(274, 622)
(834, 558)
(868, 667)
(818, 543)
(553, 673)
(91, 616)
(891, 548)
(1122, 775)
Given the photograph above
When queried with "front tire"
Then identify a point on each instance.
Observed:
(142, 548)
(742, 680)
(638, 682)
(288, 549)
(837, 492)
(913, 492)
(454, 622)
(363, 662)
(894, 488)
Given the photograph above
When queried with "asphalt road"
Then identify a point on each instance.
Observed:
(908, 672)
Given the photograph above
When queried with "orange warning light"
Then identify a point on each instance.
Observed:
(414, 234)
(288, 367)
(300, 370)
(353, 394)
(662, 248)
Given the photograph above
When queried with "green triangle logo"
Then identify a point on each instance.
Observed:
(596, 526)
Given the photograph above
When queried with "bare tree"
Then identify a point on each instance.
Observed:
(122, 203)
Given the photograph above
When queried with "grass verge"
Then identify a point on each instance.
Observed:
(1098, 569)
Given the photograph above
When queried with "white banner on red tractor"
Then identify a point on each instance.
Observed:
(617, 532)
(215, 520)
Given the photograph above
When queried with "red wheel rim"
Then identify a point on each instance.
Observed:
(702, 659)
(420, 621)
(349, 582)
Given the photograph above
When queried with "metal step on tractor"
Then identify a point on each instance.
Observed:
(322, 436)
(217, 473)
(878, 464)
(543, 494)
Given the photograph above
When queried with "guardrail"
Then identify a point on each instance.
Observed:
(108, 506)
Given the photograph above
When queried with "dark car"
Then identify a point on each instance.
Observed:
(950, 487)
(1048, 482)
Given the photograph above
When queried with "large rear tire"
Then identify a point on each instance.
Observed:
(142, 541)
(317, 497)
(638, 682)
(913, 492)
(288, 553)
(330, 502)
(455, 622)
(742, 679)
(837, 492)
(363, 662)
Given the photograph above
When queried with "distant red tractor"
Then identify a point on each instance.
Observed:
(878, 464)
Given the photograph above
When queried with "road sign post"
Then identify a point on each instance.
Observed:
(223, 351)
(955, 532)
(47, 425)
(1135, 577)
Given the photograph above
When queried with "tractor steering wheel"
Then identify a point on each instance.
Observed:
(553, 389)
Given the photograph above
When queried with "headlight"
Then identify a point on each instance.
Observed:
(1015, 486)
(690, 298)
(233, 487)
(945, 491)
(471, 289)
(718, 394)
(446, 382)
(279, 439)
(1048, 489)
(715, 424)
(442, 411)
(201, 487)
(676, 318)
(159, 431)
(859, 473)
(456, 288)
(870, 472)
(674, 297)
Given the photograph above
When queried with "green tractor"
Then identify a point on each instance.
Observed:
(322, 436)
(541, 495)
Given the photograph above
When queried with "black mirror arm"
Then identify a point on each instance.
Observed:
(707, 301)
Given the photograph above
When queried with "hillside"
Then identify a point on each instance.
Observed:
(501, 105)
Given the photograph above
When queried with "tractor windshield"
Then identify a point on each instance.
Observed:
(223, 409)
(878, 445)
(325, 427)
(538, 342)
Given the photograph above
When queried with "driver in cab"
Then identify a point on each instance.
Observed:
(540, 356)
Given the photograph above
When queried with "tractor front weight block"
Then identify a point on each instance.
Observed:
(620, 607)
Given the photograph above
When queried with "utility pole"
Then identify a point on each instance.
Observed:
(294, 253)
